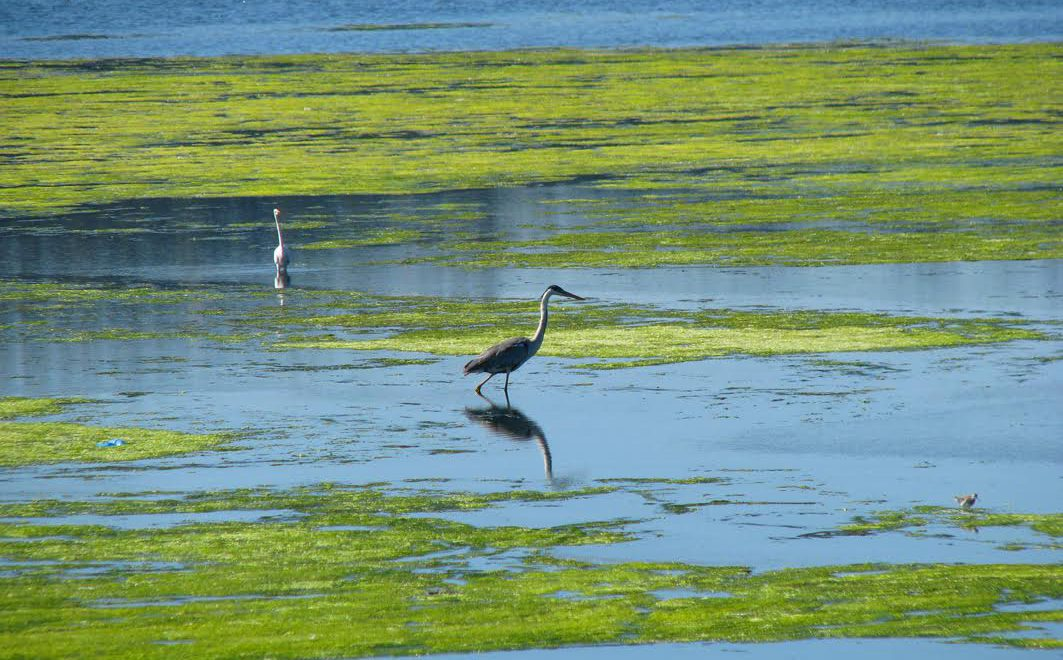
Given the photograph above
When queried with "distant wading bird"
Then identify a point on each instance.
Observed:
(966, 501)
(282, 256)
(506, 356)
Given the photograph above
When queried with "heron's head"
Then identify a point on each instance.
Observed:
(555, 290)
(276, 213)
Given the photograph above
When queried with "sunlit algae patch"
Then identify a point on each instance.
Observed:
(349, 571)
(24, 443)
(802, 155)
(600, 336)
(616, 336)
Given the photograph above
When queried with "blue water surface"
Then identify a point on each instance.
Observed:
(49, 29)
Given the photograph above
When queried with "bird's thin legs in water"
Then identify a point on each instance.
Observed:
(482, 383)
(505, 388)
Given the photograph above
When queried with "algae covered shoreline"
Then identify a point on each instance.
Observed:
(342, 570)
(786, 452)
(777, 155)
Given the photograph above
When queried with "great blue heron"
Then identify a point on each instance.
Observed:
(506, 356)
(282, 256)
(967, 501)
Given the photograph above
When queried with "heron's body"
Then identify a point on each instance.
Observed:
(507, 356)
(282, 256)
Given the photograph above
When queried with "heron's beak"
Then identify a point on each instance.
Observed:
(571, 295)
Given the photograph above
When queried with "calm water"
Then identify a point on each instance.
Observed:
(814, 443)
(118, 28)
(802, 445)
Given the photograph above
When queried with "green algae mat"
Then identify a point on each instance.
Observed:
(366, 570)
(29, 443)
(782, 155)
(594, 335)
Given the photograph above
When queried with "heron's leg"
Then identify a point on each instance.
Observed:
(489, 377)
(505, 388)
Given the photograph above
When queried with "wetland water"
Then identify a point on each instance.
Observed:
(777, 452)
(49, 29)
(802, 443)
(163, 314)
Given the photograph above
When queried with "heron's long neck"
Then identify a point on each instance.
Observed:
(540, 332)
(280, 239)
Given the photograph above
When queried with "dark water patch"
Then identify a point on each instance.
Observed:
(370, 27)
(185, 28)
(68, 37)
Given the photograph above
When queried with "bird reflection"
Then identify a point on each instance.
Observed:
(282, 280)
(513, 424)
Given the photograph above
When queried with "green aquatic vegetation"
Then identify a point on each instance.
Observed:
(353, 571)
(375, 237)
(57, 294)
(625, 335)
(797, 247)
(805, 199)
(28, 443)
(920, 517)
(124, 334)
(327, 501)
(954, 147)
(18, 406)
(289, 225)
(611, 336)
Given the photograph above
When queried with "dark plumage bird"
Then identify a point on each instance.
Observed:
(967, 501)
(506, 356)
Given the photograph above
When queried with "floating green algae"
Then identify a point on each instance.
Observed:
(376, 237)
(351, 571)
(18, 406)
(610, 336)
(57, 294)
(875, 153)
(918, 518)
(26, 443)
(29, 443)
(798, 247)
(77, 305)
(626, 335)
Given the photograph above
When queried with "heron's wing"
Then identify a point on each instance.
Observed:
(504, 356)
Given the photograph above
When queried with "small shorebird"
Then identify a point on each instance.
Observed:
(966, 501)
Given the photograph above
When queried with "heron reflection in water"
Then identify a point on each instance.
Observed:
(513, 424)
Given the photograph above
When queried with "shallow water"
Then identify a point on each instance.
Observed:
(868, 649)
(51, 29)
(214, 242)
(799, 444)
